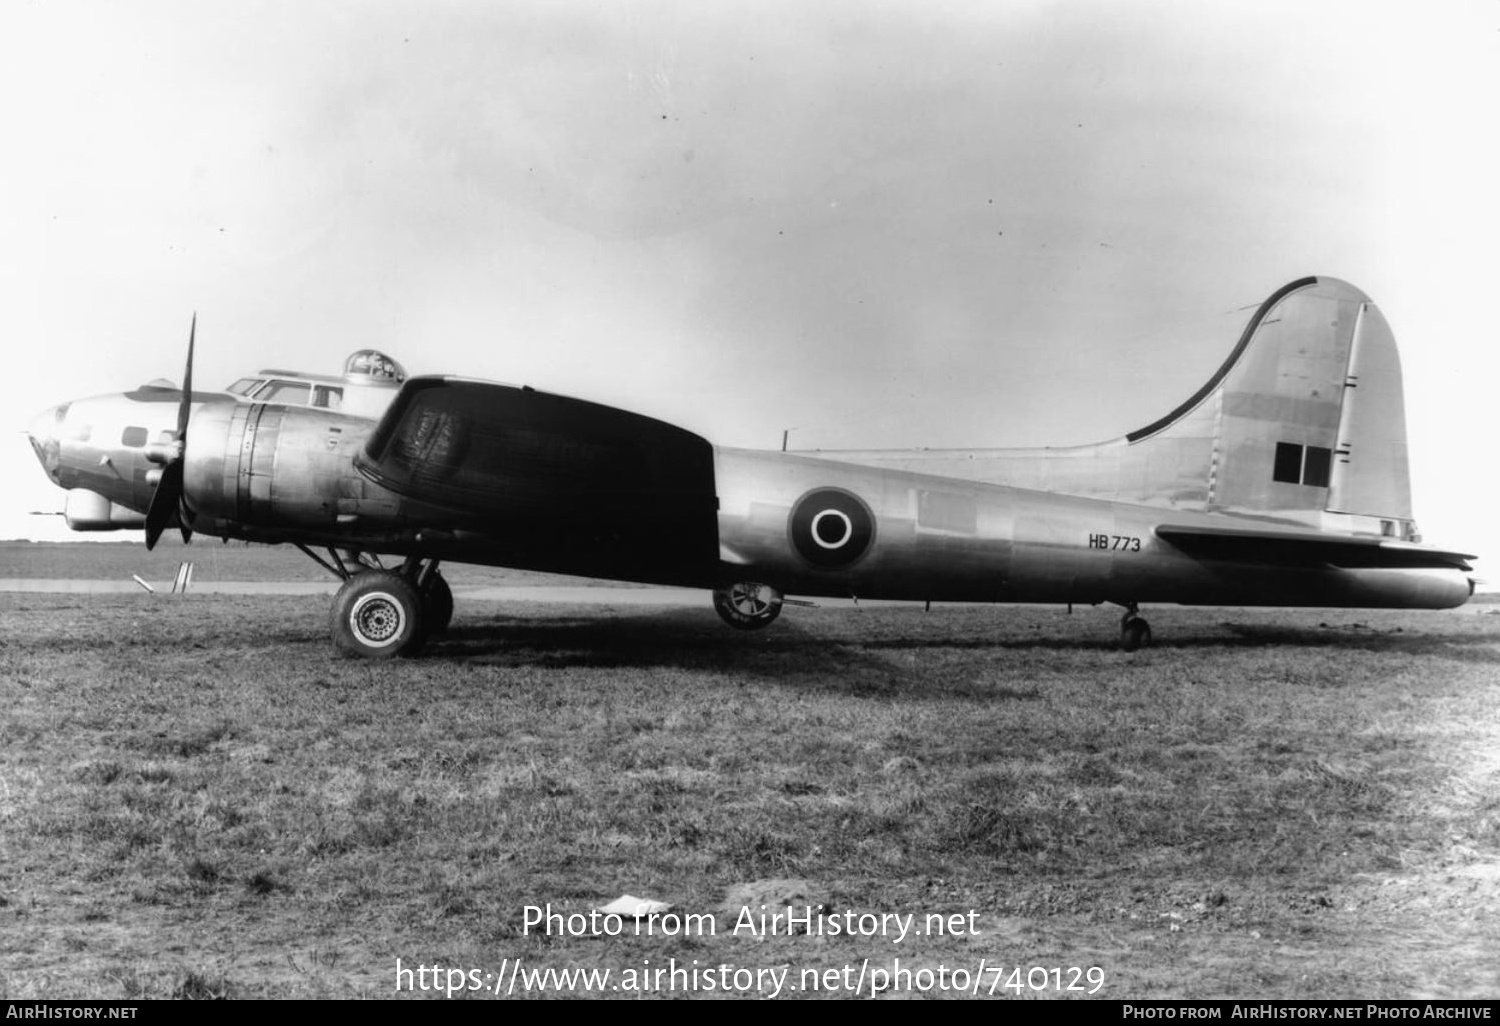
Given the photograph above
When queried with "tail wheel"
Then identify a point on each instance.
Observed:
(377, 615)
(437, 605)
(1135, 633)
(748, 605)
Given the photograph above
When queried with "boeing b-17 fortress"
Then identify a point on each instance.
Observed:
(1282, 481)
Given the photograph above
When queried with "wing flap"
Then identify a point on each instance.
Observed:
(1293, 547)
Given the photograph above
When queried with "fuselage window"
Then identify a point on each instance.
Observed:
(291, 392)
(134, 437)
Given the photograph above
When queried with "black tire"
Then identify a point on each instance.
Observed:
(437, 606)
(377, 615)
(1135, 633)
(747, 605)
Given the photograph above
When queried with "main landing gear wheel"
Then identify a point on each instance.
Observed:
(1135, 632)
(378, 615)
(437, 605)
(748, 605)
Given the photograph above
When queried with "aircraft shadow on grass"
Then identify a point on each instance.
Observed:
(673, 639)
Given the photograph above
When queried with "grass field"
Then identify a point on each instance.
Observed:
(198, 799)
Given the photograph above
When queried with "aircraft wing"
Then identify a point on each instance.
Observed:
(1294, 547)
(597, 485)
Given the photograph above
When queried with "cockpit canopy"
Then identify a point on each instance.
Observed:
(289, 392)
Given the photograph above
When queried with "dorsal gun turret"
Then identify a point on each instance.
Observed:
(371, 365)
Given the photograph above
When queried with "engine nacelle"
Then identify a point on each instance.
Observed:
(89, 511)
(264, 465)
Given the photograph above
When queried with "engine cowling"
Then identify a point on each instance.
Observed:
(264, 465)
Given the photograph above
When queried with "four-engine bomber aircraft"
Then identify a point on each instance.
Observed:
(1282, 481)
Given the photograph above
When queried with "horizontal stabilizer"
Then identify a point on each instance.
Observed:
(1292, 547)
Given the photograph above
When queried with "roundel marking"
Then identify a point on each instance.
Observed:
(831, 527)
(828, 539)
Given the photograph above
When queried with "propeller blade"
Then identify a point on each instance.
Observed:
(164, 503)
(184, 411)
(184, 407)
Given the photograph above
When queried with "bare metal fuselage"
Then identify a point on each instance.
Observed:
(946, 539)
(272, 473)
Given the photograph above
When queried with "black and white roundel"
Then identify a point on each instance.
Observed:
(831, 528)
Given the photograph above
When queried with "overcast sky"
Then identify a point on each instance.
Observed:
(934, 223)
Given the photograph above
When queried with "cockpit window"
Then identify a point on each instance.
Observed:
(328, 397)
(293, 393)
(134, 437)
(244, 386)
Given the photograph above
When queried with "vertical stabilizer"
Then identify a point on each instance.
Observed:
(1309, 414)
(1279, 403)
(1302, 421)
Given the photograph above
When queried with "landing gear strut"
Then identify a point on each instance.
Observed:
(1135, 632)
(748, 605)
(437, 603)
(379, 613)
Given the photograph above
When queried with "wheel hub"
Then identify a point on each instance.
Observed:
(377, 619)
(750, 599)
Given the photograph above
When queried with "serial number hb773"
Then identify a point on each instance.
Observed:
(1115, 542)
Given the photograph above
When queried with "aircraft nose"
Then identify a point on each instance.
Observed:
(44, 433)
